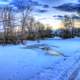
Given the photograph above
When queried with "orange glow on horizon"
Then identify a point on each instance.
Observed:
(60, 25)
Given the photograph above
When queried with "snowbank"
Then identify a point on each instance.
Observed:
(22, 63)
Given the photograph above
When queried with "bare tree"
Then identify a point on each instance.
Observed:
(39, 30)
(24, 19)
(68, 24)
(24, 9)
(30, 24)
(7, 19)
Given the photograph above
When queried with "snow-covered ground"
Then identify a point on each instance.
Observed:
(51, 59)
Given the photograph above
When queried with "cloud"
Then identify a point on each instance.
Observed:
(45, 6)
(76, 17)
(20, 4)
(52, 2)
(36, 3)
(23, 4)
(41, 11)
(62, 17)
(4, 0)
(69, 7)
(58, 17)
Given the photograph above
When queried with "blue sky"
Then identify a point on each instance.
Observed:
(45, 10)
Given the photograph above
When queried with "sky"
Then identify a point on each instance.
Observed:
(49, 12)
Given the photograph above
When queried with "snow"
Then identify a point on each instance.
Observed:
(57, 38)
(51, 59)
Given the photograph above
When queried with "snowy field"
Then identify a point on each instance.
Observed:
(51, 59)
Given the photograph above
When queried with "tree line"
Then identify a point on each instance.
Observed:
(27, 27)
(70, 30)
